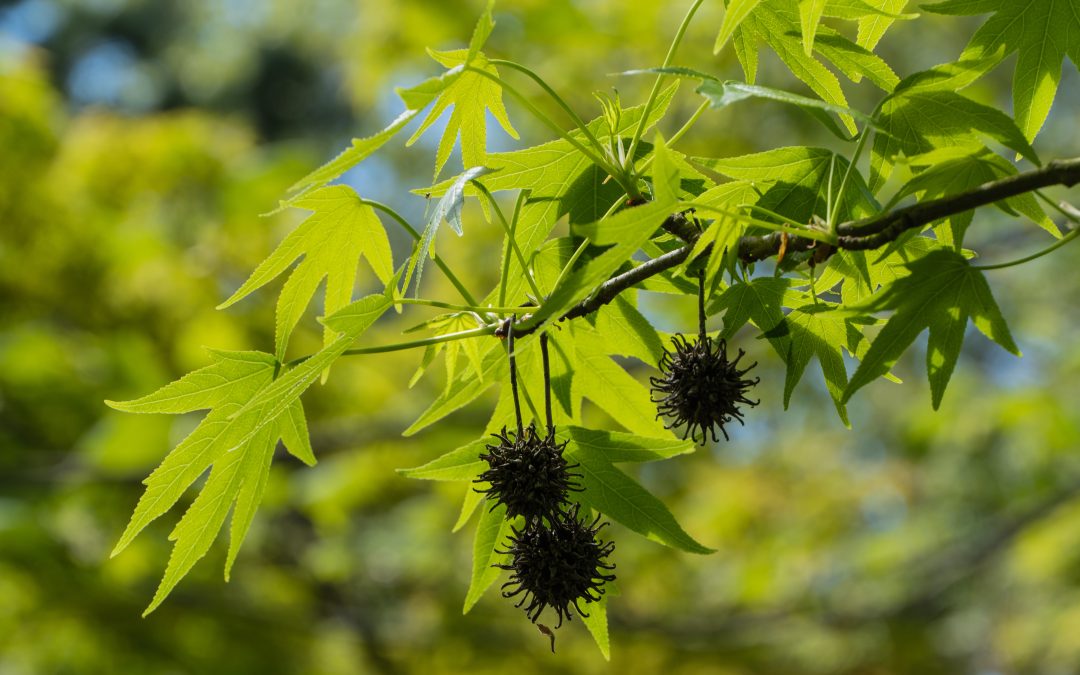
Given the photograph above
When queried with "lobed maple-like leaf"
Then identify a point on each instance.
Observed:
(1041, 32)
(340, 230)
(941, 293)
(240, 462)
(559, 181)
(919, 119)
(250, 410)
(791, 29)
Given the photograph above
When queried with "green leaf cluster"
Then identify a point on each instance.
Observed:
(601, 203)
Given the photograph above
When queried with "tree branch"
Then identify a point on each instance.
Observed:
(858, 235)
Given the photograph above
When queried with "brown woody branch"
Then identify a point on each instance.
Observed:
(860, 235)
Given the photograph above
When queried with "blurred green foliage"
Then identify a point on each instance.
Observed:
(920, 542)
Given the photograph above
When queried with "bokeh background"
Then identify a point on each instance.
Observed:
(139, 142)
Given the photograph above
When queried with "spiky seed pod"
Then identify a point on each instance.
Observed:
(558, 566)
(700, 388)
(528, 474)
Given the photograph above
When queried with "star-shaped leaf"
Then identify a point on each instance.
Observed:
(780, 24)
(942, 292)
(249, 411)
(560, 181)
(331, 240)
(1041, 32)
(239, 471)
(799, 182)
(814, 331)
(469, 98)
(917, 120)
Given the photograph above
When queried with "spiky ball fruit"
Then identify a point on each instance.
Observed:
(528, 474)
(700, 389)
(558, 566)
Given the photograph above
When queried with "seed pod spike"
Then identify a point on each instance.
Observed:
(700, 389)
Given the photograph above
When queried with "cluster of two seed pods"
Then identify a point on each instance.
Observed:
(556, 558)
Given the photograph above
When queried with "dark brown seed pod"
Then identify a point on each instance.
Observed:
(700, 389)
(528, 473)
(558, 566)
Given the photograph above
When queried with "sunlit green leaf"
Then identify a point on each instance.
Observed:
(1042, 32)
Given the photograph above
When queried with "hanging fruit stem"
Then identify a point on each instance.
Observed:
(701, 305)
(513, 375)
(547, 383)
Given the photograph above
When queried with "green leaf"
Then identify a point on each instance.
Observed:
(917, 121)
(814, 331)
(854, 61)
(448, 208)
(665, 173)
(801, 182)
(625, 233)
(614, 390)
(466, 387)
(595, 620)
(952, 76)
(1041, 32)
(873, 27)
(463, 463)
(472, 500)
(941, 293)
(863, 272)
(416, 99)
(776, 23)
(955, 175)
(471, 96)
(239, 442)
(622, 499)
(491, 532)
(722, 235)
(360, 150)
(294, 434)
(222, 387)
(484, 25)
(722, 93)
(331, 240)
(736, 11)
(760, 300)
(230, 376)
(618, 447)
(622, 330)
(810, 12)
(239, 453)
(560, 181)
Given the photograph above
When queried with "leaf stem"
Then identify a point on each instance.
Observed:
(598, 159)
(580, 123)
(645, 163)
(570, 263)
(465, 294)
(410, 344)
(1070, 215)
(651, 101)
(1034, 256)
(511, 242)
(834, 208)
(799, 231)
(505, 277)
(464, 308)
